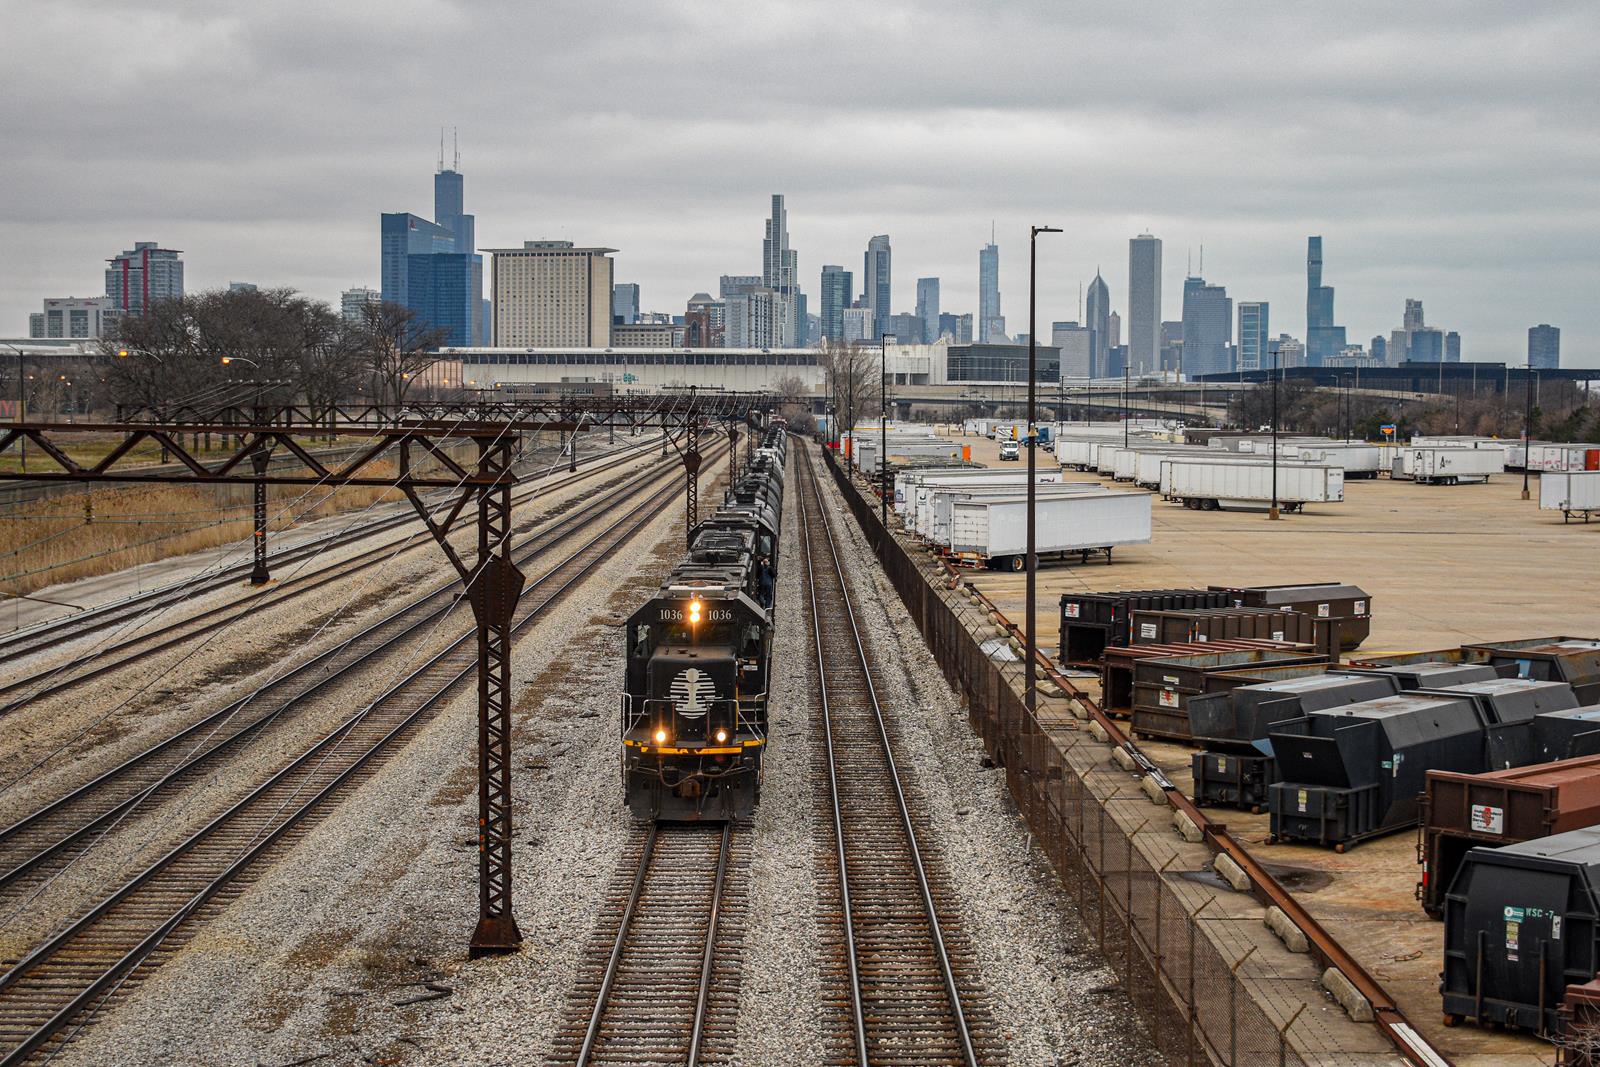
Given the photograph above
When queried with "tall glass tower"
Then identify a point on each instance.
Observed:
(991, 325)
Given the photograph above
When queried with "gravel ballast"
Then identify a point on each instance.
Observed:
(351, 949)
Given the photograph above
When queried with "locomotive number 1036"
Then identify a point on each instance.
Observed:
(711, 615)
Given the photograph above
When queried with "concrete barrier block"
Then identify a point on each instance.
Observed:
(1232, 873)
(1355, 1005)
(1291, 935)
(1098, 732)
(1151, 787)
(1079, 712)
(1186, 827)
(1123, 758)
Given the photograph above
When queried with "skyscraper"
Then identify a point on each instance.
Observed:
(550, 294)
(1253, 335)
(1412, 320)
(779, 264)
(1427, 345)
(1097, 316)
(1323, 338)
(1378, 349)
(1452, 347)
(875, 282)
(444, 293)
(928, 308)
(1073, 341)
(991, 324)
(1115, 330)
(1544, 347)
(1144, 303)
(353, 302)
(1207, 328)
(625, 302)
(838, 291)
(141, 276)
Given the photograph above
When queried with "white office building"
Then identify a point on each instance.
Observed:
(552, 294)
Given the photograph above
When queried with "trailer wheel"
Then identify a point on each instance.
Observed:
(1016, 563)
(1451, 1018)
(1339, 847)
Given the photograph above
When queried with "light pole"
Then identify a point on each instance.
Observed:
(1527, 429)
(1272, 512)
(1124, 403)
(1032, 561)
(883, 438)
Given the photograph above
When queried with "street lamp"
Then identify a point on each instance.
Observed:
(1030, 653)
(1527, 429)
(1272, 512)
(883, 436)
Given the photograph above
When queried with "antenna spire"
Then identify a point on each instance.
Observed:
(1202, 259)
(455, 141)
(441, 148)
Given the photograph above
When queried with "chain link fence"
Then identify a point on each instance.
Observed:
(1188, 993)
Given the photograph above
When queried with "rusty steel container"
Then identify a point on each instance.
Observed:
(1116, 671)
(1344, 609)
(1163, 685)
(1093, 622)
(1460, 811)
(1221, 624)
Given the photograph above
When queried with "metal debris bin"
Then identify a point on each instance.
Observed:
(1460, 811)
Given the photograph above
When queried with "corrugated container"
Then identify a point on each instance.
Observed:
(1449, 466)
(1162, 687)
(1574, 660)
(1571, 492)
(1220, 624)
(1347, 607)
(1499, 808)
(1211, 485)
(1520, 928)
(994, 531)
(1117, 664)
(1090, 622)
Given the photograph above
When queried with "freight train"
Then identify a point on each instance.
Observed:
(694, 710)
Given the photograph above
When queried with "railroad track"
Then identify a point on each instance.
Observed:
(660, 982)
(900, 977)
(47, 992)
(24, 642)
(60, 677)
(36, 846)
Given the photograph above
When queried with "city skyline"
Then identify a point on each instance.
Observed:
(1405, 207)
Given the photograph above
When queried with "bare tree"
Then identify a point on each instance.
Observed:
(397, 347)
(855, 381)
(798, 414)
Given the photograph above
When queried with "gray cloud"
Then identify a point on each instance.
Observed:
(1445, 151)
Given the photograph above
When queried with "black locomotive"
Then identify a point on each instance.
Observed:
(694, 714)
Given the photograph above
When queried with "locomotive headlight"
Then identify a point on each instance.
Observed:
(722, 735)
(694, 611)
(661, 737)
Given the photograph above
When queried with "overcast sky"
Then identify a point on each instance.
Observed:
(1445, 151)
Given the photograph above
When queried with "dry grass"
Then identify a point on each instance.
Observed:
(62, 539)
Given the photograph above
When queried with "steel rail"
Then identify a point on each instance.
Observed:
(142, 644)
(30, 639)
(112, 976)
(703, 999)
(609, 979)
(645, 884)
(449, 595)
(958, 1014)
